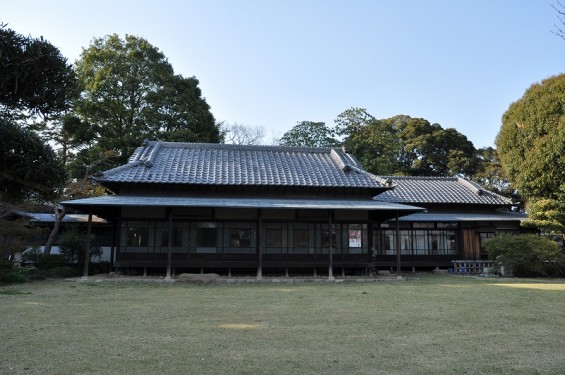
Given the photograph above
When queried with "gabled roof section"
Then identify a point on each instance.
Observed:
(222, 164)
(496, 216)
(440, 190)
(34, 217)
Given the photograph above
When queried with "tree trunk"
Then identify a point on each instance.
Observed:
(59, 215)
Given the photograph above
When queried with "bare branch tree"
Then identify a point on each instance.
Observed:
(239, 134)
(560, 9)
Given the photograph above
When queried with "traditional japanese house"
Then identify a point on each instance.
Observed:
(216, 207)
(224, 208)
(460, 216)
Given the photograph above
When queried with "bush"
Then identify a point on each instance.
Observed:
(46, 262)
(526, 255)
(15, 276)
(32, 256)
(62, 272)
(42, 261)
(72, 244)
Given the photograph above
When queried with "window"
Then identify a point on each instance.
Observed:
(420, 243)
(447, 225)
(326, 239)
(274, 238)
(137, 236)
(389, 242)
(405, 239)
(300, 238)
(207, 235)
(240, 238)
(423, 225)
(176, 237)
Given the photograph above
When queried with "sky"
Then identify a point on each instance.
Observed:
(458, 63)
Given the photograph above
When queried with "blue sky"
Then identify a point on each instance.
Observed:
(459, 63)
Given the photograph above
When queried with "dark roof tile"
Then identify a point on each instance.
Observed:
(221, 164)
(439, 190)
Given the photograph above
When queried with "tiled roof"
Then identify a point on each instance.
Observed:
(473, 217)
(222, 164)
(50, 218)
(440, 190)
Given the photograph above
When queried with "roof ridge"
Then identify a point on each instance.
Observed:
(229, 146)
(338, 159)
(151, 154)
(99, 175)
(480, 190)
(439, 178)
(469, 185)
(386, 182)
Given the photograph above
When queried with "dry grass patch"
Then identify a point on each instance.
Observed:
(427, 325)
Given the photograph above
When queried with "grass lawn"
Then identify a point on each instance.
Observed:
(423, 325)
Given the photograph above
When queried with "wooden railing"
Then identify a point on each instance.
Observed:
(474, 267)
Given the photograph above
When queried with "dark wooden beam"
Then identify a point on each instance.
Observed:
(258, 245)
(397, 245)
(169, 243)
(87, 246)
(330, 251)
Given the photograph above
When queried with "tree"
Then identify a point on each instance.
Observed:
(238, 134)
(309, 134)
(547, 215)
(527, 254)
(182, 115)
(489, 172)
(373, 142)
(130, 92)
(35, 78)
(430, 150)
(405, 145)
(37, 88)
(531, 141)
(29, 168)
(560, 9)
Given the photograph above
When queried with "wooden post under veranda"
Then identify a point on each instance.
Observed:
(258, 245)
(330, 251)
(397, 245)
(87, 246)
(170, 245)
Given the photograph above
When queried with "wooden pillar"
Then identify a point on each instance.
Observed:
(330, 252)
(370, 248)
(169, 244)
(398, 266)
(87, 246)
(113, 246)
(258, 245)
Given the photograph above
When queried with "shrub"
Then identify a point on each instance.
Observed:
(46, 262)
(15, 276)
(72, 243)
(62, 272)
(526, 255)
(42, 261)
(32, 256)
